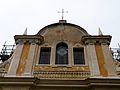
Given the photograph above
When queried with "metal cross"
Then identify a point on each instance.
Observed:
(63, 13)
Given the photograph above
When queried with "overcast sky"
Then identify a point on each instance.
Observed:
(16, 15)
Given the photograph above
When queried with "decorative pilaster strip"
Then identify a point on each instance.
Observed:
(23, 59)
(101, 39)
(70, 56)
(15, 61)
(53, 52)
(29, 62)
(52, 56)
(93, 62)
(108, 60)
(101, 60)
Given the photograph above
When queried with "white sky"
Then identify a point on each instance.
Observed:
(16, 15)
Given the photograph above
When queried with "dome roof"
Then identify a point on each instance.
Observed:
(62, 31)
(61, 25)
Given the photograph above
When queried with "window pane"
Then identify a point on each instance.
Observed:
(45, 56)
(61, 54)
(78, 56)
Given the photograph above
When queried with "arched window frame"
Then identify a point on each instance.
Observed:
(61, 47)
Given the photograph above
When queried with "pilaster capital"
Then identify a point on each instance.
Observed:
(104, 42)
(32, 39)
(89, 42)
(103, 39)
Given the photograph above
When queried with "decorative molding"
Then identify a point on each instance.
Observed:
(104, 39)
(61, 72)
(61, 68)
(78, 45)
(62, 75)
(104, 42)
(45, 44)
(32, 39)
(89, 42)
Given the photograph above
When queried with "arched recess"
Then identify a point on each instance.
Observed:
(61, 54)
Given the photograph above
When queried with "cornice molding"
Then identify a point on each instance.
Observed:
(60, 83)
(32, 39)
(100, 39)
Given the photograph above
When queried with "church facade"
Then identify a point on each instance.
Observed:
(61, 56)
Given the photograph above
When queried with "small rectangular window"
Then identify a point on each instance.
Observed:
(78, 56)
(45, 56)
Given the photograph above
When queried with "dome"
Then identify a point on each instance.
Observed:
(62, 26)
(62, 31)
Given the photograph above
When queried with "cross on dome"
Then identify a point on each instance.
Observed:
(63, 13)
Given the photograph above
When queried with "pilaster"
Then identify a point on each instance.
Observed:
(53, 52)
(92, 59)
(70, 55)
(29, 63)
(108, 60)
(15, 61)
(21, 40)
(100, 60)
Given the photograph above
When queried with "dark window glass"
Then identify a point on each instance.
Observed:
(61, 54)
(45, 56)
(78, 56)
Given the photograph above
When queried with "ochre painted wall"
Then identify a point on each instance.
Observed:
(23, 59)
(101, 60)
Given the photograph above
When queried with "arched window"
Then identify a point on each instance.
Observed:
(61, 54)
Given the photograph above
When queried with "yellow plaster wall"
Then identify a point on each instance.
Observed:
(101, 60)
(50, 68)
(23, 59)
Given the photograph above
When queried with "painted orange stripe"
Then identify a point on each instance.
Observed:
(101, 61)
(23, 59)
